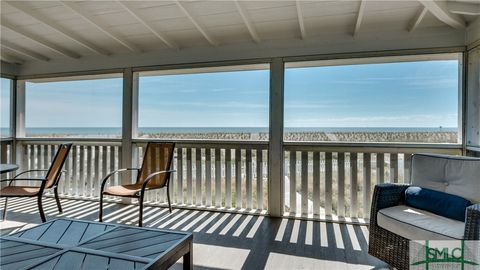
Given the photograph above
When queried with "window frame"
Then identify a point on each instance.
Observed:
(379, 58)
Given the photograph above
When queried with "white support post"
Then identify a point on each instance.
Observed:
(127, 127)
(13, 119)
(275, 153)
(19, 99)
(472, 116)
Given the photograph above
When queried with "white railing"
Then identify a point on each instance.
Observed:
(86, 165)
(227, 176)
(217, 175)
(322, 180)
(334, 181)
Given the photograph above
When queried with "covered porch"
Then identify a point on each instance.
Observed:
(272, 196)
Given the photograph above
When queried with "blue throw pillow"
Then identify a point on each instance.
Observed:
(439, 203)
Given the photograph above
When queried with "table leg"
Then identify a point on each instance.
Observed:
(188, 258)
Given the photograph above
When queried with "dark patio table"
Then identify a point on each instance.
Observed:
(77, 244)
(5, 168)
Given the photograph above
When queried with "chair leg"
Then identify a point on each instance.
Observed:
(140, 214)
(100, 212)
(40, 209)
(168, 198)
(55, 191)
(4, 216)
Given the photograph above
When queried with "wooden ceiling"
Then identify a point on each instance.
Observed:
(49, 31)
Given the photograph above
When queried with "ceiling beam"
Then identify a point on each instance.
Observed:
(440, 11)
(417, 19)
(464, 8)
(38, 39)
(57, 27)
(358, 22)
(197, 25)
(130, 9)
(10, 58)
(101, 26)
(6, 44)
(248, 23)
(301, 22)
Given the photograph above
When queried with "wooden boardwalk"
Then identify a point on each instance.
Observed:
(224, 240)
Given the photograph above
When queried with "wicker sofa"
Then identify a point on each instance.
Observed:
(393, 224)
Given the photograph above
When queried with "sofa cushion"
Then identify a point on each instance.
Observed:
(437, 202)
(456, 175)
(416, 224)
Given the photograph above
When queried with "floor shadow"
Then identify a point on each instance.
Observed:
(226, 240)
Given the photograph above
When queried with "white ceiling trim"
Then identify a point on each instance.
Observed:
(439, 9)
(22, 51)
(360, 14)
(248, 23)
(196, 24)
(464, 8)
(39, 39)
(415, 22)
(301, 22)
(101, 26)
(46, 21)
(130, 9)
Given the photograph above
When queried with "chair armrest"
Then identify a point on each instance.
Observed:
(150, 177)
(42, 170)
(384, 196)
(472, 222)
(104, 181)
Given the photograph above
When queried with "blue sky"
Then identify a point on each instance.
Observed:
(409, 94)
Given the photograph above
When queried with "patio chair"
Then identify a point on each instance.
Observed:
(50, 181)
(393, 224)
(154, 174)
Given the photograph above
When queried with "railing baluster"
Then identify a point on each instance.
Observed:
(82, 170)
(98, 172)
(259, 179)
(407, 163)
(304, 182)
(189, 177)
(68, 174)
(228, 177)
(316, 184)
(74, 169)
(238, 178)
(367, 176)
(208, 176)
(380, 168)
(354, 184)
(198, 176)
(393, 168)
(218, 178)
(180, 197)
(248, 174)
(89, 177)
(341, 184)
(293, 182)
(328, 183)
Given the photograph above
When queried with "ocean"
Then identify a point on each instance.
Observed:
(116, 131)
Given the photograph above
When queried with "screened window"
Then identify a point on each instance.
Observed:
(401, 99)
(227, 103)
(87, 106)
(5, 98)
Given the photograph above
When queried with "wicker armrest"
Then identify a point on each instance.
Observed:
(472, 222)
(384, 196)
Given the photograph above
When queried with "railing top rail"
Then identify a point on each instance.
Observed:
(6, 139)
(372, 147)
(68, 139)
(209, 143)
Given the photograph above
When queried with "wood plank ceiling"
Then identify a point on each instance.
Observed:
(52, 30)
